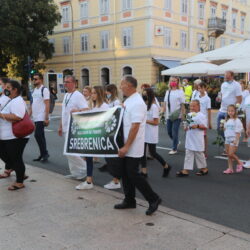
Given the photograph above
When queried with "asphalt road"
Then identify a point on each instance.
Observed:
(215, 197)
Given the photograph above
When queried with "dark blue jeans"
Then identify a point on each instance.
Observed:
(173, 131)
(40, 138)
(89, 161)
(220, 116)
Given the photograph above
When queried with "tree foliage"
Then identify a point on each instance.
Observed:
(24, 29)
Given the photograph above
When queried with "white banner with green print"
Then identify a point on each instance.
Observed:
(95, 134)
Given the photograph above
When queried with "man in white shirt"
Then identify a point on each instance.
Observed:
(73, 100)
(231, 94)
(134, 121)
(40, 112)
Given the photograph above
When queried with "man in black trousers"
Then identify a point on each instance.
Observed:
(134, 121)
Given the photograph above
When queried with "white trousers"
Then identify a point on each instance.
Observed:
(199, 159)
(77, 165)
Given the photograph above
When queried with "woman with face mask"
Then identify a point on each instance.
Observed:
(12, 147)
(174, 107)
(111, 164)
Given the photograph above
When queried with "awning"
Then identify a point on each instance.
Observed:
(168, 63)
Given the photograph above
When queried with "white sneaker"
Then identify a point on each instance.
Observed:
(172, 152)
(112, 185)
(84, 185)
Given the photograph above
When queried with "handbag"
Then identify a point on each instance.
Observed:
(23, 127)
(174, 115)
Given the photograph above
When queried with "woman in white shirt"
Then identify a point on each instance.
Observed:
(174, 107)
(151, 133)
(12, 147)
(111, 163)
(98, 104)
(245, 94)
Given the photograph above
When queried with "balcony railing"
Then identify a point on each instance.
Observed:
(216, 24)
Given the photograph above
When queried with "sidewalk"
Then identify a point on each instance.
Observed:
(50, 214)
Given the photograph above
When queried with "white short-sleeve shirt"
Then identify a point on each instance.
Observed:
(229, 92)
(103, 107)
(135, 112)
(246, 107)
(195, 137)
(3, 100)
(176, 98)
(151, 131)
(205, 104)
(233, 126)
(195, 95)
(38, 105)
(17, 107)
(114, 103)
(74, 100)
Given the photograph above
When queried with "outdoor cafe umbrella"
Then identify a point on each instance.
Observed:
(222, 55)
(240, 65)
(191, 69)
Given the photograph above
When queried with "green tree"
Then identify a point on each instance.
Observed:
(24, 29)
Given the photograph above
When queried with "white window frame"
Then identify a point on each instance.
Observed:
(183, 40)
(224, 14)
(85, 43)
(126, 5)
(242, 23)
(84, 10)
(127, 33)
(213, 11)
(53, 41)
(234, 20)
(201, 10)
(223, 42)
(66, 14)
(104, 35)
(167, 37)
(66, 45)
(104, 7)
(184, 7)
(199, 38)
(168, 5)
(211, 43)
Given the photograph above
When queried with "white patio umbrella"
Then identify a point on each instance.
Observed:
(240, 65)
(236, 50)
(191, 69)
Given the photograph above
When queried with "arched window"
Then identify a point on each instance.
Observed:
(105, 79)
(85, 77)
(127, 71)
(67, 72)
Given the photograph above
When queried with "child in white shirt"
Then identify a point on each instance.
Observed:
(205, 108)
(232, 130)
(195, 142)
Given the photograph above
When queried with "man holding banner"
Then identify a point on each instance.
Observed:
(134, 121)
(73, 99)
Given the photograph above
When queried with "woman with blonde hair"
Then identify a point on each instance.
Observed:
(174, 107)
(98, 104)
(87, 94)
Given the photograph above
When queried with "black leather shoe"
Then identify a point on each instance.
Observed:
(125, 205)
(45, 158)
(38, 159)
(103, 168)
(153, 206)
(166, 171)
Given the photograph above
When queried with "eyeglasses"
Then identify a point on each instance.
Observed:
(67, 81)
(35, 79)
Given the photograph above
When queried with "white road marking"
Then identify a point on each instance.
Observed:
(55, 117)
(169, 149)
(48, 130)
